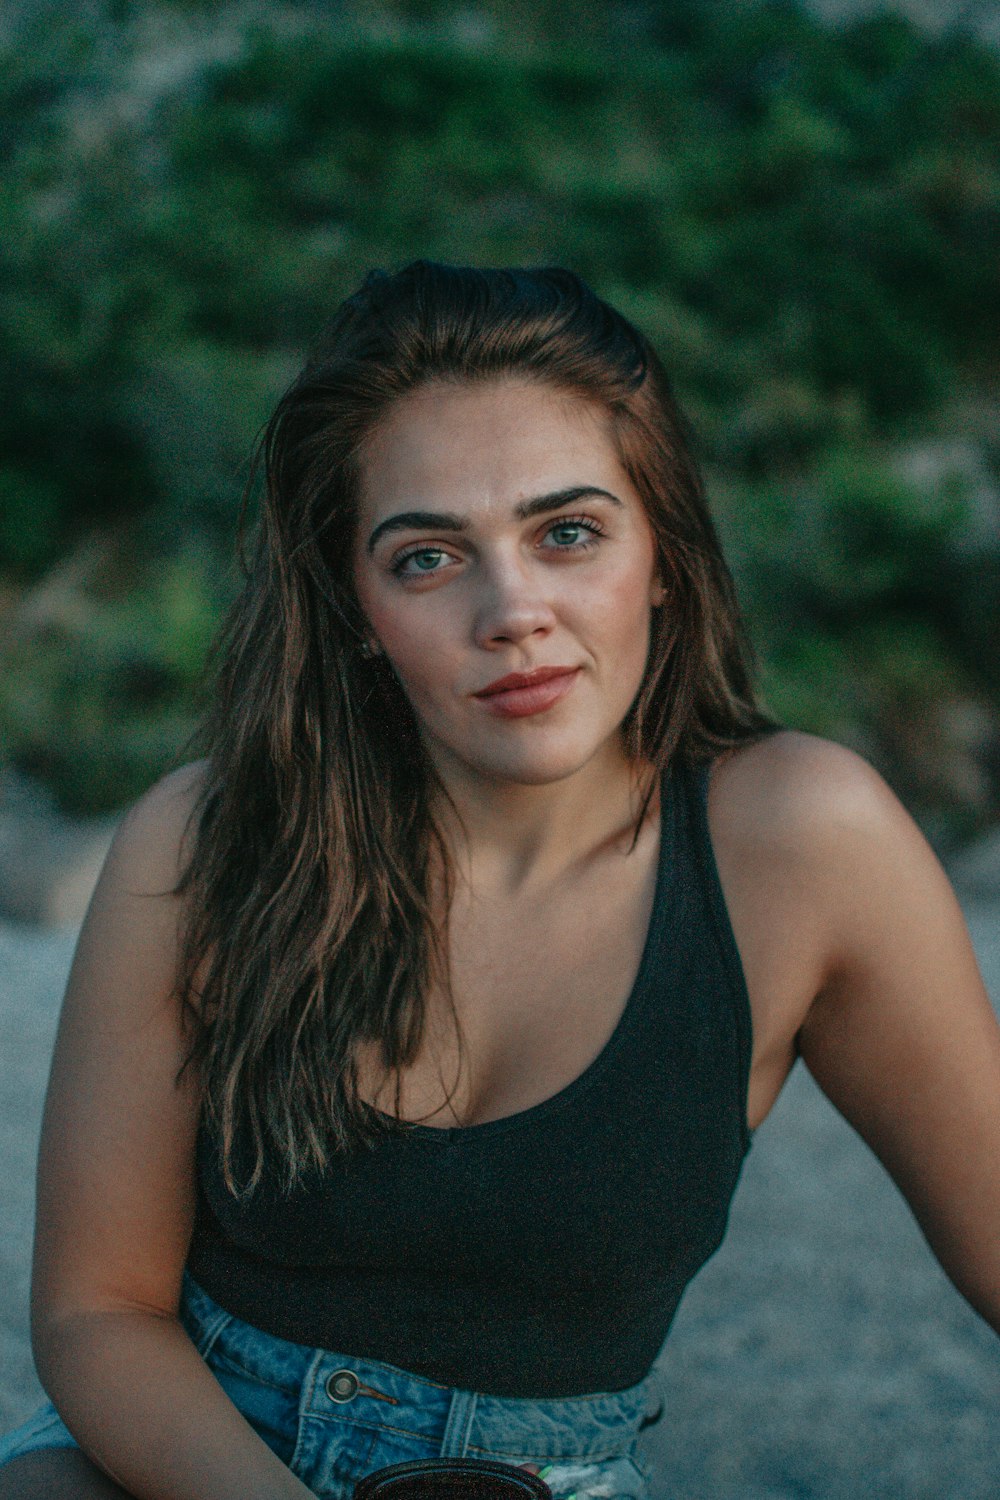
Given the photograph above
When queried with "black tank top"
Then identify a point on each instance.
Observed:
(543, 1254)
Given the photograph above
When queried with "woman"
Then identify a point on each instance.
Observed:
(415, 1038)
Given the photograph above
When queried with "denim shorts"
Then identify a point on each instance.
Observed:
(333, 1418)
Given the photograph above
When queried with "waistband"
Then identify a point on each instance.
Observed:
(334, 1386)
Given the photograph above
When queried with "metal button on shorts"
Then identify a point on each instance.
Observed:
(342, 1385)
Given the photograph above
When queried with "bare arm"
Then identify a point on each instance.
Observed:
(902, 1037)
(116, 1198)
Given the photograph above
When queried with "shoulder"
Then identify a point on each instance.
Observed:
(153, 838)
(137, 888)
(125, 963)
(794, 787)
(812, 804)
(812, 817)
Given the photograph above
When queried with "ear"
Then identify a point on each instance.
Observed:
(657, 592)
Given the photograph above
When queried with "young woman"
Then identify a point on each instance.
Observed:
(415, 1037)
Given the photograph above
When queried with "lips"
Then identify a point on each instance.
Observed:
(515, 680)
(521, 694)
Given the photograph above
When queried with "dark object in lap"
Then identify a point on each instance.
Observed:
(452, 1479)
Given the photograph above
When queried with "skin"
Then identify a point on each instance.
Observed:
(456, 609)
(541, 808)
(854, 948)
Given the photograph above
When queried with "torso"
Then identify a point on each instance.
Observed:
(541, 984)
(513, 966)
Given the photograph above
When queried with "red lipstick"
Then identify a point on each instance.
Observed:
(522, 693)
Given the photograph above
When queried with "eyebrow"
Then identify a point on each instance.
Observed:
(436, 520)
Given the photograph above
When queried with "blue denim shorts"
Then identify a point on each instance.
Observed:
(333, 1418)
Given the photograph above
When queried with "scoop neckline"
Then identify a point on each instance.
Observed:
(454, 1134)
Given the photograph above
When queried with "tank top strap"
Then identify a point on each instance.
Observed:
(696, 779)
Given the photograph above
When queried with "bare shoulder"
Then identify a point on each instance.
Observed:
(844, 917)
(135, 912)
(153, 839)
(800, 791)
(819, 813)
(815, 820)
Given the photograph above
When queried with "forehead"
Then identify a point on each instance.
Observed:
(483, 445)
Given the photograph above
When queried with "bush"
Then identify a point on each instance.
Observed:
(804, 218)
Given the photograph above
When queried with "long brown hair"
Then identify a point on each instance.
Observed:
(308, 915)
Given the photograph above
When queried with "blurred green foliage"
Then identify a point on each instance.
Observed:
(805, 220)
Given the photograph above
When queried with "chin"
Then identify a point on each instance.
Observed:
(534, 775)
(533, 766)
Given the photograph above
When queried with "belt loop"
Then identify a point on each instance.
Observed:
(455, 1441)
(201, 1318)
(307, 1403)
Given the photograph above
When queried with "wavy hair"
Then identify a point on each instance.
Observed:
(309, 924)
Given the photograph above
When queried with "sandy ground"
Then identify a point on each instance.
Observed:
(820, 1355)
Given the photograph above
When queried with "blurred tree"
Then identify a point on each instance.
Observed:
(804, 218)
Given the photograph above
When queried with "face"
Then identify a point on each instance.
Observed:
(500, 538)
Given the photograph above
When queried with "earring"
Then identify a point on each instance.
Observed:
(368, 648)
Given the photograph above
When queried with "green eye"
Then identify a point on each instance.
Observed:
(425, 560)
(567, 535)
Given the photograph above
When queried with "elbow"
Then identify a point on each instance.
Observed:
(74, 1347)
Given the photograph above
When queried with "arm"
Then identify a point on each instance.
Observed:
(902, 1037)
(116, 1198)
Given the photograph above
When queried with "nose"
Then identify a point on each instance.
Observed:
(512, 606)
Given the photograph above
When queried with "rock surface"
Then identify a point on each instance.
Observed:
(975, 873)
(821, 1354)
(48, 863)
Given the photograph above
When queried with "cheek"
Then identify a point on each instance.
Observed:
(418, 652)
(619, 611)
(385, 609)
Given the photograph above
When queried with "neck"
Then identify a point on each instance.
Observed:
(512, 838)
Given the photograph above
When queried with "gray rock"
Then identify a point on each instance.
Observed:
(975, 872)
(33, 969)
(48, 864)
